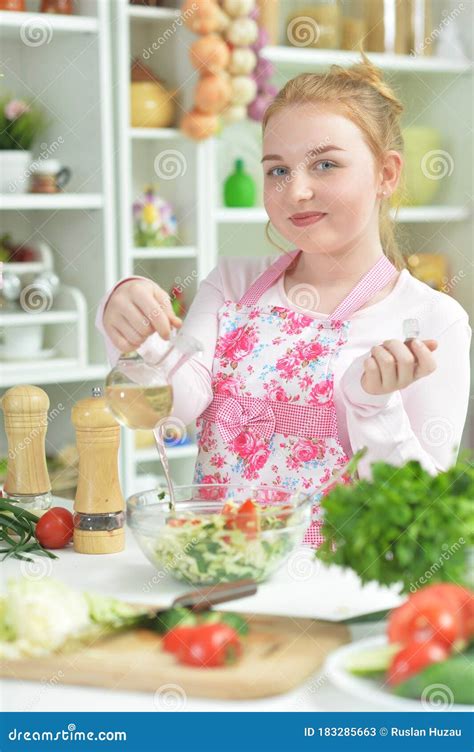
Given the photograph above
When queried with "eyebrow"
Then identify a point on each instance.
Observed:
(311, 152)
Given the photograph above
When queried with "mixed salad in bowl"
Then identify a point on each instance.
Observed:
(219, 532)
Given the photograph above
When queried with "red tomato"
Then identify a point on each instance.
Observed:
(247, 519)
(55, 528)
(413, 658)
(209, 645)
(230, 512)
(286, 510)
(424, 616)
(175, 638)
(461, 598)
(176, 522)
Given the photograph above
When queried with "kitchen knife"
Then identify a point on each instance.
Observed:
(203, 599)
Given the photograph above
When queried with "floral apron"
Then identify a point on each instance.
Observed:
(273, 420)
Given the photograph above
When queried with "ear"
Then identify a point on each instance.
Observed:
(389, 175)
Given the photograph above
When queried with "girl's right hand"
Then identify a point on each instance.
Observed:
(136, 309)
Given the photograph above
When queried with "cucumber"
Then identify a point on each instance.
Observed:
(372, 662)
(174, 617)
(456, 675)
(233, 620)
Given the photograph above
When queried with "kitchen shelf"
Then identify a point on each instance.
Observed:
(47, 317)
(51, 202)
(406, 214)
(238, 216)
(44, 263)
(153, 14)
(179, 252)
(433, 214)
(12, 23)
(314, 59)
(51, 371)
(173, 453)
(154, 134)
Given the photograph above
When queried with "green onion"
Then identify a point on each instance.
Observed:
(17, 533)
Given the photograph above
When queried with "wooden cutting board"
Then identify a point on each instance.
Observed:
(279, 654)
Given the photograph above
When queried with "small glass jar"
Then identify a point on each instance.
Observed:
(34, 503)
(15, 5)
(57, 6)
(103, 522)
(353, 25)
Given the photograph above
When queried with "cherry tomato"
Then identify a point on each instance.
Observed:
(209, 645)
(55, 528)
(247, 519)
(413, 658)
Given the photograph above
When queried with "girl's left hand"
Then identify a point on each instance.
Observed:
(395, 365)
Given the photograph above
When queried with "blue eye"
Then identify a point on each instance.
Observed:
(272, 171)
(327, 162)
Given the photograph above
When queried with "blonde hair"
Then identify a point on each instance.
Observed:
(361, 94)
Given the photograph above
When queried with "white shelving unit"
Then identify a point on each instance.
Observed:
(63, 64)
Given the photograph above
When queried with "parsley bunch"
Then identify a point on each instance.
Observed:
(404, 525)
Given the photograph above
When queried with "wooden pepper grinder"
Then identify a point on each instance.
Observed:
(99, 506)
(25, 409)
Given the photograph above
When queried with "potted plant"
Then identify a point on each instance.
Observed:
(20, 124)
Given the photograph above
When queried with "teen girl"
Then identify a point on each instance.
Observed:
(305, 360)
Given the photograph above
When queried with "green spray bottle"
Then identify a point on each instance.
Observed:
(239, 188)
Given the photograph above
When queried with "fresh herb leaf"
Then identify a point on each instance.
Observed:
(17, 532)
(405, 525)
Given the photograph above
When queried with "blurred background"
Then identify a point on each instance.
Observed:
(130, 143)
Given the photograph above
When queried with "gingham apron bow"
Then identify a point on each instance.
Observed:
(233, 419)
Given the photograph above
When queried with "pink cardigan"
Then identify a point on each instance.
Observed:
(424, 421)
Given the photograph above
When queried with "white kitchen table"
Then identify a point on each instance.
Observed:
(303, 587)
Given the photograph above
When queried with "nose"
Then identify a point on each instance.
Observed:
(301, 188)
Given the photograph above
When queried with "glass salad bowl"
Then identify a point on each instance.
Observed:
(219, 532)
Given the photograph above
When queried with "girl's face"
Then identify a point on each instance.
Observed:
(315, 160)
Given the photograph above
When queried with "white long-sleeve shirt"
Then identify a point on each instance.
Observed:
(424, 421)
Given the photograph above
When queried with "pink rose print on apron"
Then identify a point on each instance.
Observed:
(272, 420)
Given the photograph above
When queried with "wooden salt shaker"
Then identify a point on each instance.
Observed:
(25, 409)
(99, 504)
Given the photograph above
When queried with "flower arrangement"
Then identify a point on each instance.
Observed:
(154, 221)
(20, 124)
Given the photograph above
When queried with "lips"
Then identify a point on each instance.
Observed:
(306, 218)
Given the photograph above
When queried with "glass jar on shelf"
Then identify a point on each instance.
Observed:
(399, 28)
(353, 25)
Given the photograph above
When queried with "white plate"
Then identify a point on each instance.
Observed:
(40, 355)
(373, 689)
